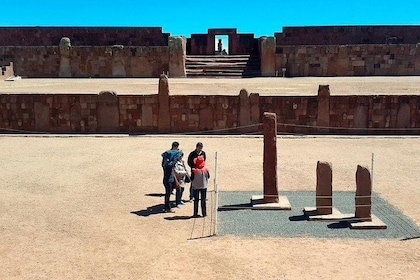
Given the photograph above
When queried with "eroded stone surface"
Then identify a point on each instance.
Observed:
(363, 193)
(271, 193)
(65, 64)
(323, 188)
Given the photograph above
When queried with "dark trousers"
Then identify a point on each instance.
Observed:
(169, 186)
(200, 194)
(168, 191)
(178, 195)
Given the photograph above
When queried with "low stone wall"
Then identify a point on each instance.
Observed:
(348, 60)
(108, 112)
(87, 61)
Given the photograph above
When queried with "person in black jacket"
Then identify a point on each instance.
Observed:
(193, 155)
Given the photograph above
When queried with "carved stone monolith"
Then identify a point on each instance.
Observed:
(118, 61)
(65, 64)
(323, 188)
(164, 120)
(271, 193)
(363, 193)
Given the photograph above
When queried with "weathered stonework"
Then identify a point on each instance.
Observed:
(177, 56)
(271, 193)
(323, 117)
(164, 108)
(268, 56)
(363, 193)
(323, 188)
(108, 112)
(118, 61)
(65, 57)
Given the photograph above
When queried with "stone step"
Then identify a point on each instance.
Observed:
(219, 65)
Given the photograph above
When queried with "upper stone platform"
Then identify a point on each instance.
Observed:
(83, 36)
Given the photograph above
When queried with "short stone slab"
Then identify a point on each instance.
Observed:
(376, 223)
(310, 212)
(257, 202)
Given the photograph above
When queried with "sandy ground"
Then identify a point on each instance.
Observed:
(199, 86)
(75, 208)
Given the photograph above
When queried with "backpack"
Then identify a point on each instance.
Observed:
(169, 158)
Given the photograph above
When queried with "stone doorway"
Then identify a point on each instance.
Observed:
(221, 45)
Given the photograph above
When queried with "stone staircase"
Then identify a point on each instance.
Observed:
(222, 66)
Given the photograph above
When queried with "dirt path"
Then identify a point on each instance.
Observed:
(200, 86)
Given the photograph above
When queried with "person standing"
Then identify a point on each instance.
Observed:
(179, 173)
(199, 181)
(169, 159)
(193, 155)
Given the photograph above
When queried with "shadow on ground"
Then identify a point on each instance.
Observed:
(152, 210)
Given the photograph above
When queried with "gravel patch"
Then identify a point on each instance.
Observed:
(270, 223)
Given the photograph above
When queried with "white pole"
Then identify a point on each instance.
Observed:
(216, 194)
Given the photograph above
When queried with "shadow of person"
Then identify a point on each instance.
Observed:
(152, 210)
(155, 194)
(174, 218)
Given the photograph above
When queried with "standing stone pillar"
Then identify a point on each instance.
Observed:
(271, 193)
(323, 188)
(363, 194)
(108, 113)
(177, 56)
(267, 47)
(323, 116)
(244, 110)
(164, 120)
(65, 65)
(118, 61)
(403, 116)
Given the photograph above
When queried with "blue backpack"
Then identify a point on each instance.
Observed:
(169, 158)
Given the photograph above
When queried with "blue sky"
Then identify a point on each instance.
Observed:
(177, 17)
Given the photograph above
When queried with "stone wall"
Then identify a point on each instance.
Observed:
(109, 112)
(83, 36)
(87, 61)
(349, 35)
(348, 60)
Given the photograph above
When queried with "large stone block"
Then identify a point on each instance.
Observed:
(108, 116)
(323, 188)
(268, 56)
(363, 199)
(65, 64)
(323, 116)
(177, 56)
(271, 193)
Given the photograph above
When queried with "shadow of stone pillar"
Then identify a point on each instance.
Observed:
(108, 113)
(267, 46)
(177, 56)
(323, 188)
(403, 116)
(164, 119)
(323, 115)
(65, 64)
(271, 193)
(118, 61)
(244, 110)
(363, 198)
